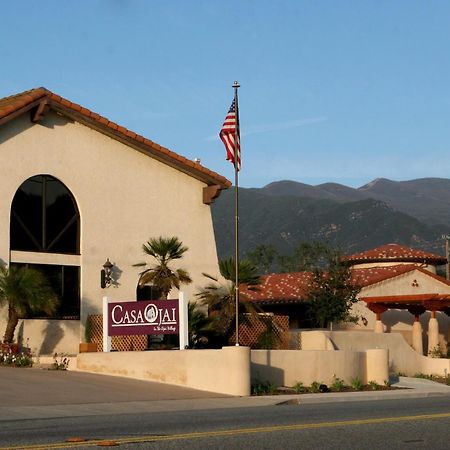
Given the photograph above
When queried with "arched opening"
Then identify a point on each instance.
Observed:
(45, 235)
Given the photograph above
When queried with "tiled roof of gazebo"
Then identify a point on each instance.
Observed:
(395, 253)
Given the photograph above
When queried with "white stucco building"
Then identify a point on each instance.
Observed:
(77, 189)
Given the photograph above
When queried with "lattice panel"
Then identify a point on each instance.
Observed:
(119, 343)
(253, 329)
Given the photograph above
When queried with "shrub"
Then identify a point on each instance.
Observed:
(356, 384)
(316, 387)
(338, 384)
(11, 356)
(424, 376)
(387, 383)
(374, 385)
(60, 362)
(263, 387)
(436, 352)
(299, 388)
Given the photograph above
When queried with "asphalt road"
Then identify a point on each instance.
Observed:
(42, 409)
(383, 424)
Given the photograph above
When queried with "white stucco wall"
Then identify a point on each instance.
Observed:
(124, 198)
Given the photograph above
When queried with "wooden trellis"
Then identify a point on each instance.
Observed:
(119, 343)
(263, 331)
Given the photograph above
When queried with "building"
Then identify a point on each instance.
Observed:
(400, 292)
(77, 189)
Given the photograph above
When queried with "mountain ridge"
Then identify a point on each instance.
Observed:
(355, 219)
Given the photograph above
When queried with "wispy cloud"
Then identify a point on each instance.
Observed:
(256, 129)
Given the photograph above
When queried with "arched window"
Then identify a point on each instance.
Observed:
(45, 219)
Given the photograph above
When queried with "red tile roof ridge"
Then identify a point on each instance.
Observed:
(394, 252)
(9, 105)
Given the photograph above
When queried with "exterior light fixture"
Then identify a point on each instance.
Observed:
(105, 274)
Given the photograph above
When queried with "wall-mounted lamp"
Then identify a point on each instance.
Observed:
(105, 274)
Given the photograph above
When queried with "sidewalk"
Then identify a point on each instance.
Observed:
(32, 394)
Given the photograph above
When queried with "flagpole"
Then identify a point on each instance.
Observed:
(236, 86)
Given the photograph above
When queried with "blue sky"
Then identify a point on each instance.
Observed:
(342, 91)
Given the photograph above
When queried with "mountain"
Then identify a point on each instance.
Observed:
(426, 199)
(286, 212)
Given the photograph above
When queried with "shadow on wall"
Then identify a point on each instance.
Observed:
(53, 335)
(261, 373)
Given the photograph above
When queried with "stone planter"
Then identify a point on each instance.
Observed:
(88, 347)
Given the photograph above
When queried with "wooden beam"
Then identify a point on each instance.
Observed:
(210, 193)
(38, 113)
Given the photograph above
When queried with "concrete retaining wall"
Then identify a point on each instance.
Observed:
(402, 358)
(225, 371)
(287, 367)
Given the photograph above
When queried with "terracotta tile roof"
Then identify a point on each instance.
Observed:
(11, 107)
(292, 287)
(371, 275)
(395, 253)
(280, 288)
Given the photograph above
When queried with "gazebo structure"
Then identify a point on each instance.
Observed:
(413, 287)
(416, 305)
(395, 281)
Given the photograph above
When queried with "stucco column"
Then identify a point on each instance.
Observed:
(433, 332)
(417, 342)
(417, 331)
(378, 309)
(379, 325)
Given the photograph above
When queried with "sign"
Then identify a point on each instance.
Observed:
(143, 317)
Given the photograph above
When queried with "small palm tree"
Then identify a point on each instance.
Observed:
(220, 297)
(24, 290)
(161, 275)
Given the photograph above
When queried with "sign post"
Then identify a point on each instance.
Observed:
(184, 326)
(145, 318)
(106, 336)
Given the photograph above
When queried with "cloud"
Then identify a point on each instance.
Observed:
(256, 129)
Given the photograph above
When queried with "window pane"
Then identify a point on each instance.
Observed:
(65, 281)
(44, 217)
(60, 211)
(27, 215)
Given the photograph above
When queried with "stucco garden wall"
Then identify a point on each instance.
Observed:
(402, 358)
(124, 198)
(287, 367)
(225, 371)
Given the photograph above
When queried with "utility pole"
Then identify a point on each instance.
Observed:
(447, 265)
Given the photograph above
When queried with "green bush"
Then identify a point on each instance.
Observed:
(423, 376)
(315, 387)
(338, 384)
(263, 388)
(374, 385)
(299, 388)
(356, 384)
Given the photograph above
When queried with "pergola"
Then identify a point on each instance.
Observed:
(416, 305)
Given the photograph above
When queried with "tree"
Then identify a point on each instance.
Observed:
(263, 257)
(332, 293)
(220, 297)
(306, 257)
(200, 327)
(161, 275)
(24, 290)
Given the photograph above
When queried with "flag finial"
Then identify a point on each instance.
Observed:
(236, 84)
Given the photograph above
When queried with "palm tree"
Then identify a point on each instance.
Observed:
(161, 275)
(24, 290)
(220, 297)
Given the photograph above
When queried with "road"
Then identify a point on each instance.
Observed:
(381, 424)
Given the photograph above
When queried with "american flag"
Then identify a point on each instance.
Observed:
(230, 136)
